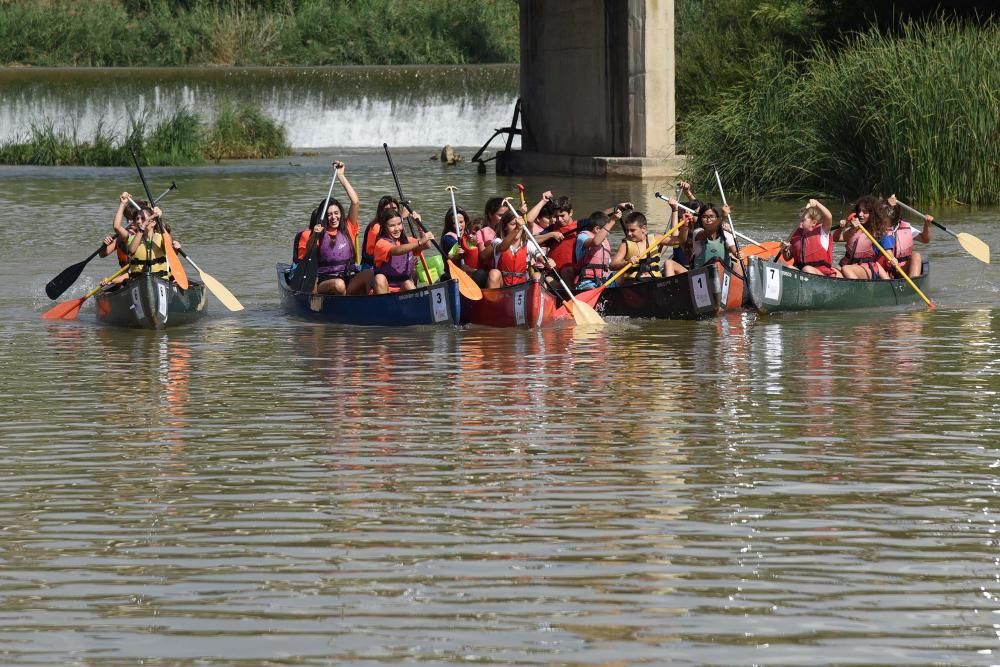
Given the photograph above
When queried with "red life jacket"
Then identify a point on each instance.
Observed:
(513, 266)
(595, 264)
(561, 252)
(904, 241)
(807, 249)
(471, 252)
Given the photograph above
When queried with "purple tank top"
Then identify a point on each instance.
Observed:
(336, 254)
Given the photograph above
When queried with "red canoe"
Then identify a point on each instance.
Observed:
(527, 305)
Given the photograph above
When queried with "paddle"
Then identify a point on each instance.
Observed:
(520, 192)
(62, 282)
(732, 227)
(68, 310)
(303, 278)
(973, 245)
(55, 287)
(899, 269)
(583, 313)
(176, 268)
(217, 288)
(454, 218)
(466, 285)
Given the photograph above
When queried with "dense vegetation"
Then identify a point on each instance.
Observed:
(239, 132)
(115, 33)
(806, 97)
(786, 96)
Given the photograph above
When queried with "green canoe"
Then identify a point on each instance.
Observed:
(776, 288)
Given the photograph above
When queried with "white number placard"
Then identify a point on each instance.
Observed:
(439, 304)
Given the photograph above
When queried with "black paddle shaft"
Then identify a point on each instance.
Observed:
(145, 186)
(409, 220)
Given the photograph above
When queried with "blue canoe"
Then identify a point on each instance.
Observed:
(433, 304)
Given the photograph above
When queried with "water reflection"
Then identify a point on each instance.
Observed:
(773, 490)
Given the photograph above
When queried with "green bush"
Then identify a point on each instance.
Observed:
(243, 131)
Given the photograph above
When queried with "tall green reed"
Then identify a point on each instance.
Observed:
(915, 114)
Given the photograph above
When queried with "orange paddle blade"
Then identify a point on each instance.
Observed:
(176, 268)
(591, 296)
(67, 310)
(466, 285)
(765, 250)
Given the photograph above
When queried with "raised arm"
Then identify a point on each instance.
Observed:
(532, 214)
(353, 211)
(120, 215)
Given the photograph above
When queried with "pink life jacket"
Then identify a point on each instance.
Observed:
(859, 250)
(904, 241)
(595, 264)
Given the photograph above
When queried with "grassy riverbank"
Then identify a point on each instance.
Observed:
(914, 113)
(239, 132)
(119, 33)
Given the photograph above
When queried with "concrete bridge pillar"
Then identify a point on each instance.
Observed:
(597, 89)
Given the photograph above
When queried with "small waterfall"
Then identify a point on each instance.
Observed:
(319, 107)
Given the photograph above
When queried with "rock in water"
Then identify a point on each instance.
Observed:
(449, 156)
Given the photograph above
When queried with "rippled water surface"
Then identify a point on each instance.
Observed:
(799, 489)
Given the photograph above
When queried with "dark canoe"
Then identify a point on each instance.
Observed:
(776, 288)
(528, 305)
(431, 304)
(687, 296)
(148, 302)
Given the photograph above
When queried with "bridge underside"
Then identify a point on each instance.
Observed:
(597, 89)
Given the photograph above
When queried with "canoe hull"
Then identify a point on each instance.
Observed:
(148, 302)
(527, 306)
(432, 304)
(778, 288)
(687, 296)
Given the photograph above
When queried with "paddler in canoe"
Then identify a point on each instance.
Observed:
(810, 245)
(636, 242)
(337, 270)
(395, 254)
(904, 234)
(514, 256)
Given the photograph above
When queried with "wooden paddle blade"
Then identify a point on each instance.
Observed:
(975, 247)
(586, 315)
(220, 292)
(466, 285)
(67, 310)
(176, 268)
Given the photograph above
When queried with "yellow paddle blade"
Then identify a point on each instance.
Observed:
(585, 315)
(975, 247)
(220, 292)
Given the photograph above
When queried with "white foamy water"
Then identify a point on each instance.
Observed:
(351, 107)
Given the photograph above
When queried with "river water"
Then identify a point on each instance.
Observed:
(254, 489)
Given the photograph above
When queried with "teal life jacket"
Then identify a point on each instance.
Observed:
(712, 249)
